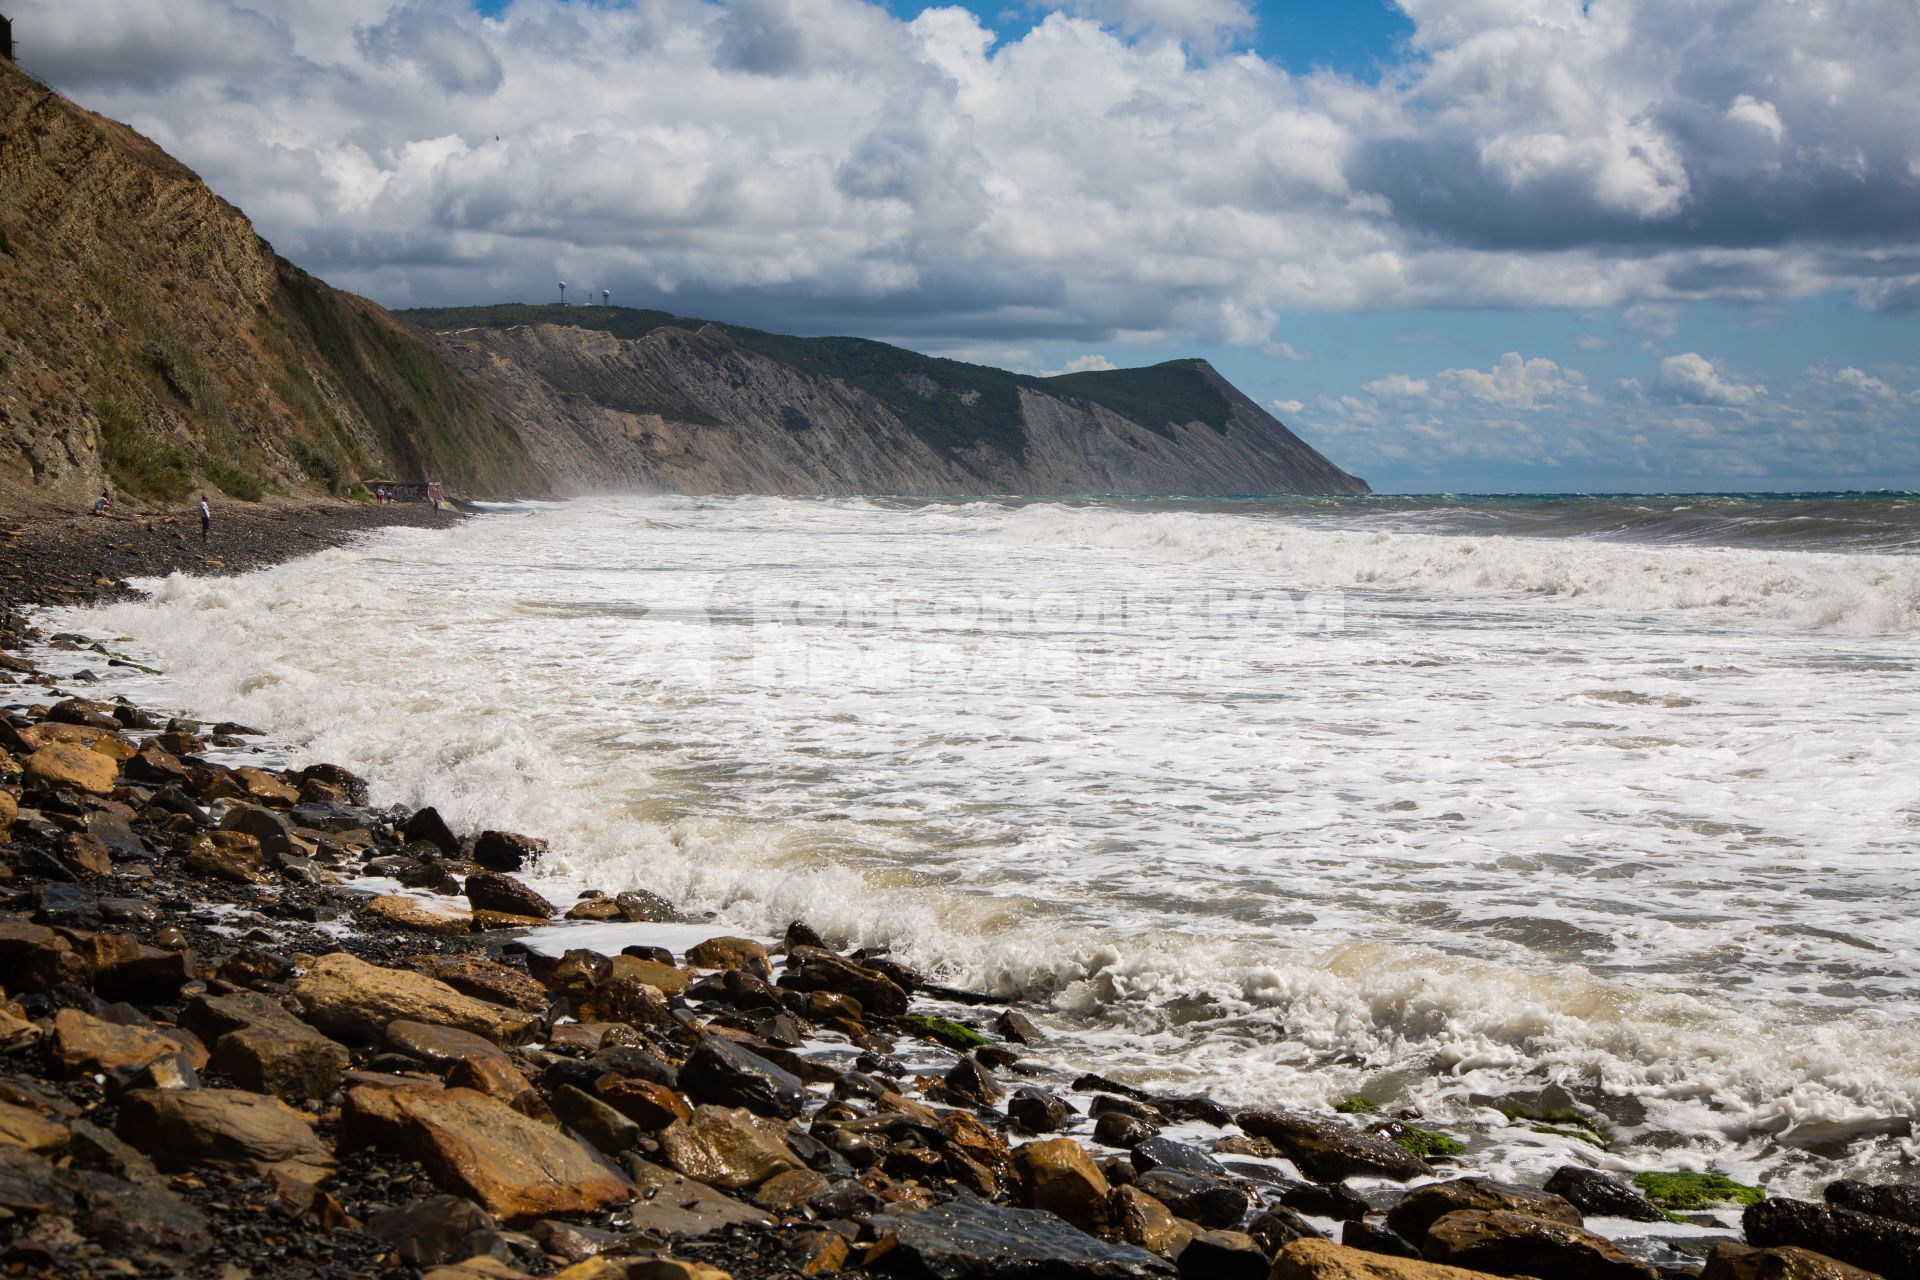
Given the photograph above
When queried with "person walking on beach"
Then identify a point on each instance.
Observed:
(206, 517)
(103, 503)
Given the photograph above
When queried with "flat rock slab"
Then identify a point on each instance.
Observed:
(1324, 1260)
(1328, 1150)
(474, 1145)
(967, 1240)
(180, 1128)
(1514, 1244)
(1734, 1261)
(673, 1205)
(29, 1130)
(484, 980)
(350, 999)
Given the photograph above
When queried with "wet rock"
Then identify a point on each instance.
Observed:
(1329, 1150)
(1325, 1201)
(1014, 1026)
(255, 967)
(439, 1229)
(984, 1148)
(1165, 1153)
(1037, 1111)
(642, 907)
(1374, 1238)
(670, 1204)
(728, 953)
(974, 1083)
(1222, 1255)
(507, 851)
(574, 972)
(1277, 1225)
(729, 1075)
(66, 906)
(572, 1241)
(1211, 1202)
(810, 970)
(83, 1044)
(350, 784)
(1899, 1203)
(590, 1118)
(1591, 1191)
(484, 980)
(230, 855)
(264, 825)
(404, 911)
(965, 1240)
(156, 767)
(87, 854)
(348, 998)
(1862, 1240)
(439, 1047)
(596, 909)
(659, 975)
(728, 1147)
(1733, 1261)
(497, 1078)
(426, 826)
(1519, 1244)
(1424, 1206)
(264, 787)
(624, 999)
(180, 1128)
(1138, 1219)
(67, 764)
(1057, 1175)
(650, 1105)
(281, 1056)
(1323, 1260)
(515, 1167)
(494, 891)
(1126, 1132)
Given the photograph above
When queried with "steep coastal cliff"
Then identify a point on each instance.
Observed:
(149, 338)
(611, 398)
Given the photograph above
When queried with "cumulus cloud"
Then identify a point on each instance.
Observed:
(831, 164)
(1083, 364)
(1398, 386)
(1692, 377)
(1517, 382)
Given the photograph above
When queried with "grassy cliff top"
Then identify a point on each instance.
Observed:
(948, 403)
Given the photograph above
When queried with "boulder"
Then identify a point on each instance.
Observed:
(34, 958)
(1329, 1150)
(1860, 1239)
(624, 999)
(1278, 1225)
(728, 1147)
(1123, 1131)
(105, 741)
(9, 811)
(27, 1130)
(230, 855)
(1165, 1153)
(484, 980)
(810, 970)
(1324, 1260)
(642, 907)
(968, 1240)
(1014, 1026)
(1222, 1255)
(1900, 1203)
(264, 825)
(670, 1204)
(969, 1079)
(264, 787)
(1057, 1175)
(404, 911)
(590, 1118)
(1518, 1244)
(439, 1047)
(497, 1078)
(1731, 1260)
(515, 1167)
(68, 764)
(1374, 1238)
(157, 767)
(332, 776)
(1139, 1219)
(664, 978)
(439, 1229)
(426, 826)
(725, 1074)
(727, 953)
(1325, 1200)
(1211, 1202)
(649, 1104)
(507, 851)
(1591, 1191)
(83, 1044)
(496, 891)
(180, 1128)
(1426, 1205)
(126, 969)
(283, 1057)
(82, 711)
(1037, 1111)
(350, 999)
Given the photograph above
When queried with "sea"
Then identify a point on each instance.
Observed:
(1587, 828)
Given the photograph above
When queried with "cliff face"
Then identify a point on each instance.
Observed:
(149, 337)
(688, 407)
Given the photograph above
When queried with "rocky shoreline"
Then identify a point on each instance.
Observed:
(252, 1026)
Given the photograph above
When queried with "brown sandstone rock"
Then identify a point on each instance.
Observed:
(495, 891)
(726, 953)
(404, 911)
(346, 997)
(1324, 1260)
(287, 1059)
(231, 855)
(1328, 1149)
(9, 811)
(264, 787)
(1057, 1174)
(1426, 1205)
(474, 1145)
(1515, 1244)
(67, 764)
(728, 1147)
(627, 1000)
(647, 1103)
(811, 970)
(1141, 1220)
(180, 1128)
(28, 1130)
(1733, 1261)
(106, 742)
(83, 1044)
(665, 978)
(439, 1047)
(484, 980)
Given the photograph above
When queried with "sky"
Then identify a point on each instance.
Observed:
(1458, 245)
